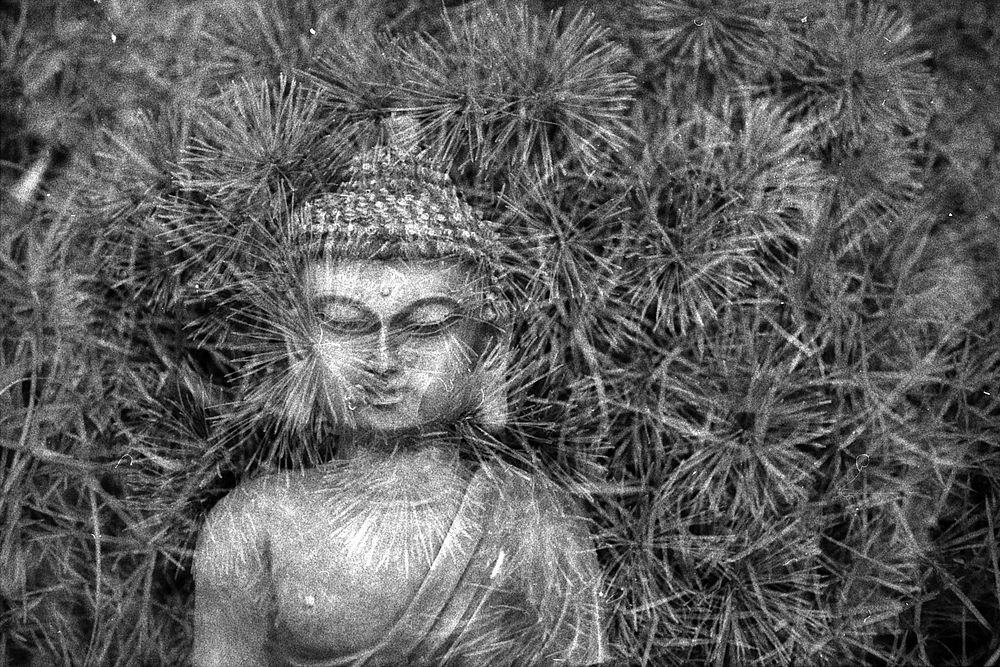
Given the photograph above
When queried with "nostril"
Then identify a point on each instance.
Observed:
(387, 362)
(384, 364)
(384, 356)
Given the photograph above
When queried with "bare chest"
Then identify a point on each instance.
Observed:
(354, 551)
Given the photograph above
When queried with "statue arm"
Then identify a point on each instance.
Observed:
(565, 582)
(232, 587)
(565, 549)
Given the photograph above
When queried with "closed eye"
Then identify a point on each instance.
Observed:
(349, 327)
(345, 317)
(431, 317)
(423, 318)
(432, 327)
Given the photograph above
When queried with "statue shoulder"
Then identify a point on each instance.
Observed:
(263, 494)
(232, 539)
(517, 486)
(248, 512)
(251, 496)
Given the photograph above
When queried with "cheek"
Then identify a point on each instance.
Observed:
(333, 357)
(341, 362)
(443, 358)
(445, 368)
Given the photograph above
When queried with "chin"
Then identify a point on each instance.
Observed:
(388, 421)
(406, 423)
(405, 415)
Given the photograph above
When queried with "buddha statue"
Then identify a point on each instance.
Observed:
(399, 552)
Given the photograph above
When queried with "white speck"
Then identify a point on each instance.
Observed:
(310, 601)
(805, 19)
(312, 31)
(496, 568)
(114, 38)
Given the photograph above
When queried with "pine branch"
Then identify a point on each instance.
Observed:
(731, 202)
(728, 40)
(503, 91)
(861, 76)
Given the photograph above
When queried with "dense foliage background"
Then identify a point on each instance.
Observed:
(755, 246)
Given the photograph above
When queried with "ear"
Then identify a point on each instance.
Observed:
(493, 408)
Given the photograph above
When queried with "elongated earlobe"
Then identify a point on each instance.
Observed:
(493, 409)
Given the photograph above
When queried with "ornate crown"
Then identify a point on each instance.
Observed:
(397, 204)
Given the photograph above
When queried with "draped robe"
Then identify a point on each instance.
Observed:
(411, 558)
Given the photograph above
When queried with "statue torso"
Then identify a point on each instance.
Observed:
(393, 552)
(412, 558)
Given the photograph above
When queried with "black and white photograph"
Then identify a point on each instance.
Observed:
(475, 333)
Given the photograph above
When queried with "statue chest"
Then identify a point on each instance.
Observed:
(370, 553)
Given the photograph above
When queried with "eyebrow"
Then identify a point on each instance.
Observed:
(402, 314)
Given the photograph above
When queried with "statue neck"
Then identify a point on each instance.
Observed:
(377, 443)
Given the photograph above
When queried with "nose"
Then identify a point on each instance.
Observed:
(385, 360)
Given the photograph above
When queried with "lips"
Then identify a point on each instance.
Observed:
(383, 398)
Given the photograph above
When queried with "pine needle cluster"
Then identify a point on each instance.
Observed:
(502, 90)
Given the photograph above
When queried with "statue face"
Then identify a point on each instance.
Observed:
(400, 341)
